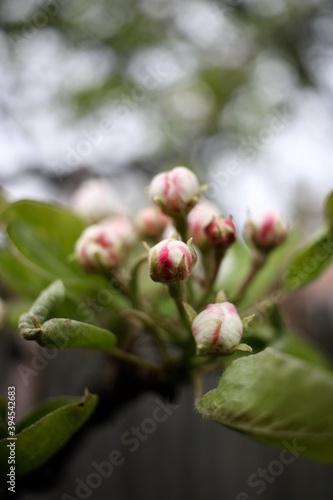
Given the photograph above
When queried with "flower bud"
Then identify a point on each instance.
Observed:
(221, 232)
(176, 192)
(100, 248)
(267, 230)
(151, 222)
(171, 261)
(201, 215)
(95, 199)
(122, 226)
(217, 329)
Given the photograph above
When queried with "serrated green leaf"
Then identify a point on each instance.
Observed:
(59, 333)
(310, 262)
(38, 442)
(277, 399)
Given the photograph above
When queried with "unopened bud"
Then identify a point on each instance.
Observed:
(151, 222)
(175, 192)
(171, 261)
(217, 329)
(100, 248)
(95, 199)
(198, 219)
(266, 231)
(221, 232)
(122, 226)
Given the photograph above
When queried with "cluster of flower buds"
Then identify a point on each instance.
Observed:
(103, 246)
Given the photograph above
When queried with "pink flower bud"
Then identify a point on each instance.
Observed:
(171, 261)
(201, 215)
(151, 222)
(267, 230)
(221, 232)
(122, 226)
(176, 192)
(217, 329)
(95, 199)
(100, 248)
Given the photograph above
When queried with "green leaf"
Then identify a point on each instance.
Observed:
(3, 203)
(20, 275)
(277, 399)
(328, 208)
(43, 237)
(310, 262)
(30, 322)
(304, 348)
(41, 411)
(59, 333)
(49, 222)
(38, 442)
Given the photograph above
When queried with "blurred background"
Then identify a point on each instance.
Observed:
(240, 91)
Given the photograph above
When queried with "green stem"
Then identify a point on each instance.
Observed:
(258, 260)
(176, 292)
(153, 329)
(213, 273)
(133, 285)
(181, 226)
(133, 359)
(117, 281)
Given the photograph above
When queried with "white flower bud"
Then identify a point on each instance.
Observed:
(171, 261)
(151, 222)
(267, 230)
(176, 192)
(201, 215)
(217, 329)
(95, 199)
(100, 248)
